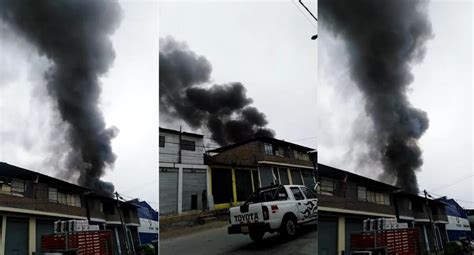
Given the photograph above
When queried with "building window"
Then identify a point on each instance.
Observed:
(386, 200)
(188, 145)
(53, 195)
(9, 186)
(18, 187)
(373, 197)
(409, 205)
(361, 193)
(305, 156)
(326, 187)
(162, 141)
(5, 185)
(301, 155)
(268, 148)
(73, 200)
(276, 176)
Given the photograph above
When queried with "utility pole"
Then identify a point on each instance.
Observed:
(314, 158)
(431, 223)
(179, 145)
(124, 229)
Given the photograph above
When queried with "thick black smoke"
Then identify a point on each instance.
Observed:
(222, 109)
(383, 39)
(74, 36)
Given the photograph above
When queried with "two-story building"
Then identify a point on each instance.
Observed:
(428, 215)
(119, 217)
(236, 170)
(183, 175)
(30, 203)
(458, 220)
(346, 199)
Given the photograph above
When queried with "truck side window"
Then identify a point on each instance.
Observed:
(308, 193)
(282, 194)
(297, 193)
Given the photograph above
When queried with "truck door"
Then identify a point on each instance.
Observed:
(300, 201)
(311, 204)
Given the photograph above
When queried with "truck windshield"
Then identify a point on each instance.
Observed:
(268, 195)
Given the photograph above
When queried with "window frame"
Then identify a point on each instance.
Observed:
(303, 189)
(16, 189)
(267, 148)
(362, 190)
(327, 190)
(185, 143)
(162, 141)
(55, 191)
(292, 189)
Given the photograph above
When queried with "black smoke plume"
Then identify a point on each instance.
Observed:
(384, 39)
(74, 36)
(223, 109)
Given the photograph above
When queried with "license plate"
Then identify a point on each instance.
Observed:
(244, 229)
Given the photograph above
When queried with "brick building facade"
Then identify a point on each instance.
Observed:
(236, 170)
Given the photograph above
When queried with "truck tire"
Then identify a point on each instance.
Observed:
(288, 227)
(256, 236)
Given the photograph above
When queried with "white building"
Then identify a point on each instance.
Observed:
(183, 175)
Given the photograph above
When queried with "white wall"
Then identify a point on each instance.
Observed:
(170, 153)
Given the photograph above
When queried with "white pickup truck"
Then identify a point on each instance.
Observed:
(277, 208)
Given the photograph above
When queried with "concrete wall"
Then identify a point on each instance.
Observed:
(170, 152)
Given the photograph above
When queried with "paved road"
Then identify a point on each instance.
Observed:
(217, 241)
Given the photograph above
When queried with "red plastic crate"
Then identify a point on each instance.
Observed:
(84, 243)
(395, 241)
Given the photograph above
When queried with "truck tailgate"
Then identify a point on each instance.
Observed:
(248, 214)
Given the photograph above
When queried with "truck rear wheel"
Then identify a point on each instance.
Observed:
(256, 236)
(288, 227)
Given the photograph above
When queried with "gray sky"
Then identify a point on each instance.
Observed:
(129, 101)
(442, 87)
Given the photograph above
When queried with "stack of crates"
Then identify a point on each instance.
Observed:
(81, 242)
(382, 224)
(73, 226)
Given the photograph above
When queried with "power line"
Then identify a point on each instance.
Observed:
(142, 184)
(306, 17)
(306, 138)
(133, 197)
(456, 199)
(454, 183)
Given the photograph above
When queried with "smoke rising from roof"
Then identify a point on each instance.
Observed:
(384, 39)
(223, 109)
(74, 36)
